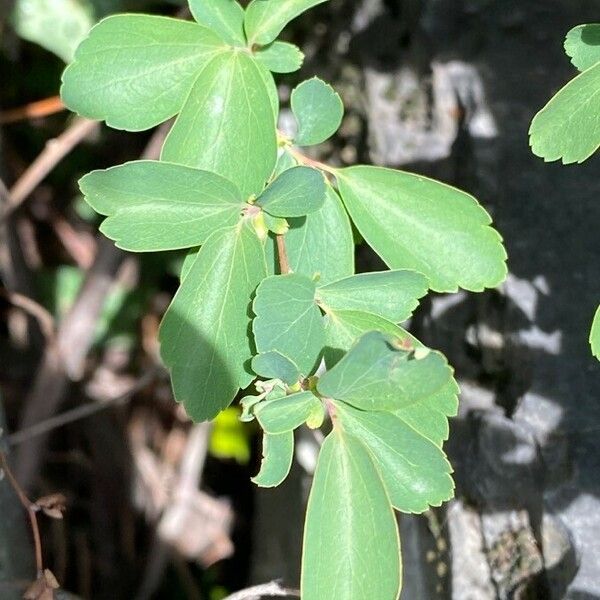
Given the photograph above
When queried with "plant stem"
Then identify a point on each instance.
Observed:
(311, 162)
(31, 509)
(284, 264)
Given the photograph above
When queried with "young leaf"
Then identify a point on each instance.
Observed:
(321, 244)
(318, 110)
(296, 192)
(204, 333)
(595, 335)
(430, 416)
(56, 25)
(274, 365)
(351, 544)
(278, 452)
(135, 71)
(280, 57)
(392, 294)
(568, 127)
(377, 374)
(279, 416)
(417, 223)
(154, 205)
(224, 17)
(266, 18)
(582, 45)
(227, 124)
(288, 320)
(415, 471)
(277, 225)
(344, 327)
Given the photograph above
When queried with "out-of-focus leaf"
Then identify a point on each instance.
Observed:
(56, 25)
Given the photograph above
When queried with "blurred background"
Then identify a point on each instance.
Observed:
(156, 507)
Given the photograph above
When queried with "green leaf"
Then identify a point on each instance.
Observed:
(280, 57)
(187, 263)
(227, 124)
(568, 127)
(135, 71)
(416, 223)
(392, 294)
(284, 162)
(582, 45)
(595, 335)
(288, 320)
(277, 225)
(415, 471)
(155, 205)
(56, 25)
(278, 452)
(318, 110)
(272, 91)
(296, 192)
(224, 17)
(274, 365)
(204, 333)
(378, 374)
(430, 416)
(285, 414)
(344, 327)
(351, 544)
(266, 18)
(321, 244)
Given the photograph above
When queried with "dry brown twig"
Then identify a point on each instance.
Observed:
(36, 310)
(53, 506)
(52, 154)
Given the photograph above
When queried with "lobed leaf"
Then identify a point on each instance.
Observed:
(391, 294)
(278, 452)
(568, 127)
(351, 544)
(266, 18)
(155, 205)
(274, 365)
(582, 45)
(321, 245)
(135, 71)
(377, 374)
(430, 416)
(280, 57)
(288, 320)
(296, 192)
(204, 333)
(344, 327)
(595, 335)
(318, 110)
(224, 17)
(227, 124)
(285, 414)
(417, 223)
(415, 471)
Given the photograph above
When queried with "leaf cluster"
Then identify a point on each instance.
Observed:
(268, 292)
